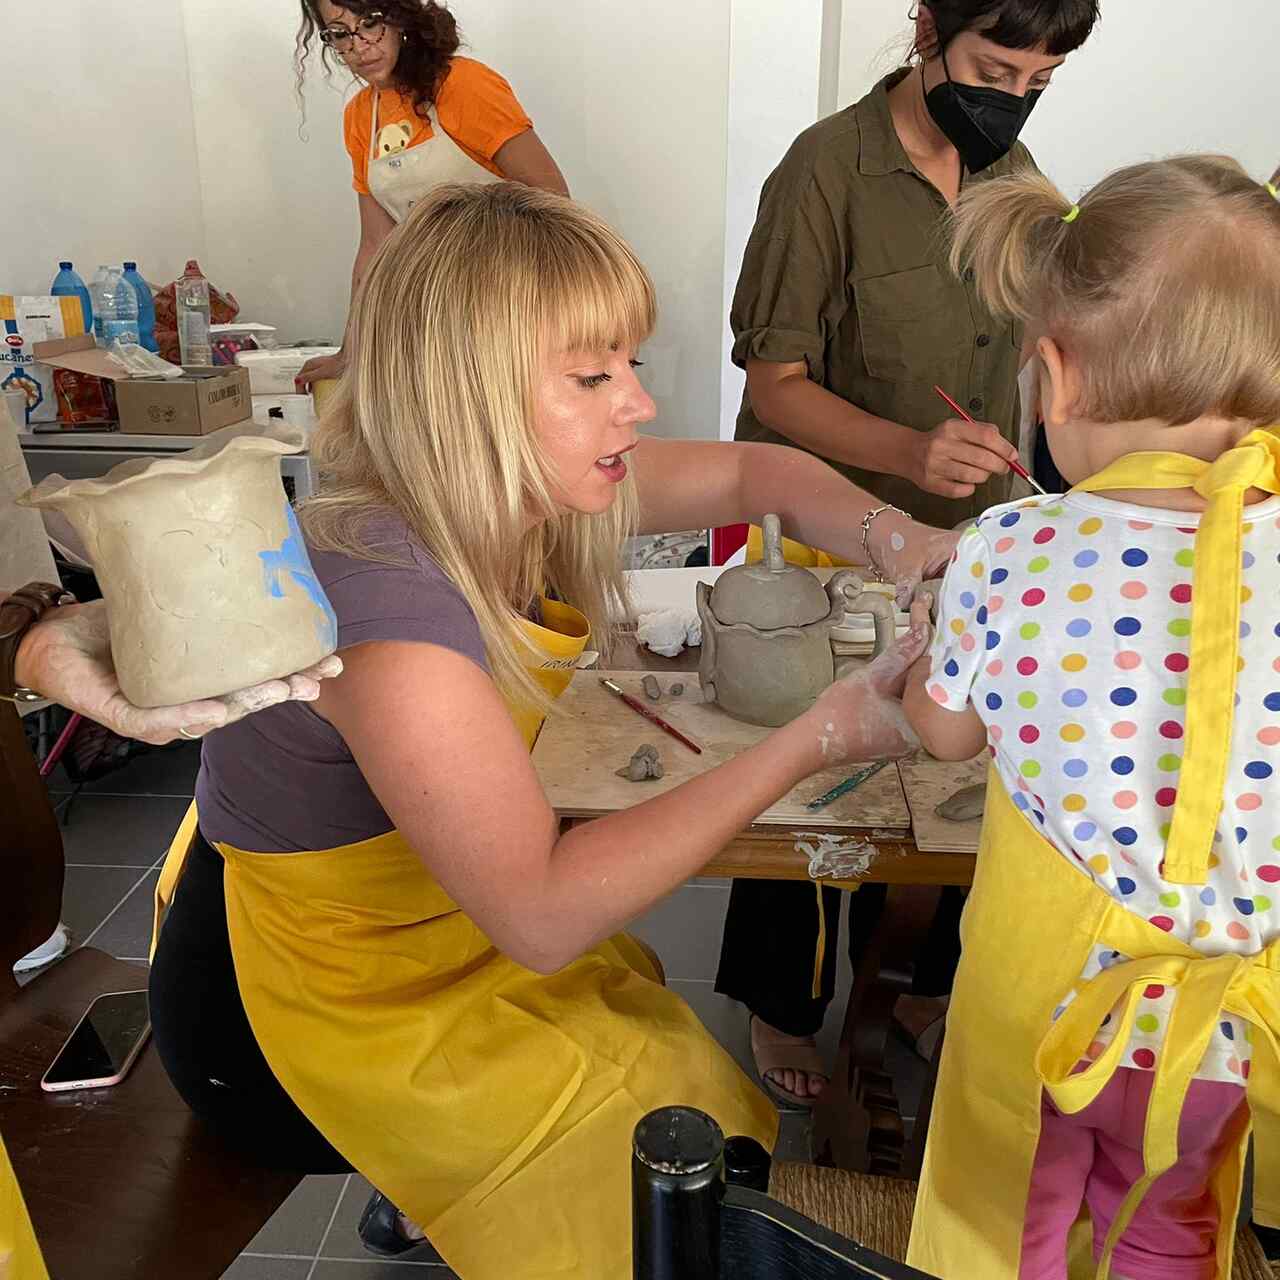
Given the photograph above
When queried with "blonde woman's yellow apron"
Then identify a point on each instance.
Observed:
(1032, 920)
(492, 1104)
(20, 1257)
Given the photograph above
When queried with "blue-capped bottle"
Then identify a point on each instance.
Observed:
(146, 307)
(66, 284)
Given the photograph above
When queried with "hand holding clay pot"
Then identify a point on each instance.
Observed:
(860, 716)
(208, 583)
(67, 657)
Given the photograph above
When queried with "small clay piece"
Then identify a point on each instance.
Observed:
(677, 689)
(644, 764)
(965, 805)
(652, 689)
(207, 581)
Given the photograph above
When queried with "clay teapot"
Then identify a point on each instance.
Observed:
(766, 633)
(208, 584)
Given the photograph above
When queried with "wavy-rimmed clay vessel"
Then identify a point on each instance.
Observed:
(208, 584)
(766, 633)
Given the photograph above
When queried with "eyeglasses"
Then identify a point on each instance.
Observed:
(342, 39)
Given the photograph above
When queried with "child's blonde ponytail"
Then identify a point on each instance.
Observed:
(1006, 229)
(1161, 286)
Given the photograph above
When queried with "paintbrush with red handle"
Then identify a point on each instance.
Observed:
(1014, 464)
(651, 716)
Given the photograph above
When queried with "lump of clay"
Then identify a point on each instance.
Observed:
(207, 580)
(965, 805)
(644, 764)
(677, 689)
(652, 689)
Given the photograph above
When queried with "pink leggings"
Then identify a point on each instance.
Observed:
(1094, 1157)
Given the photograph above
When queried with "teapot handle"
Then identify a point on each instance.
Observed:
(771, 529)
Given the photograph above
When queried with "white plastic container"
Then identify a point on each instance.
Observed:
(271, 373)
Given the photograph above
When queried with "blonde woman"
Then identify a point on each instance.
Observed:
(381, 950)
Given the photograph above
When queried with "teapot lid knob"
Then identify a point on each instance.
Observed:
(771, 528)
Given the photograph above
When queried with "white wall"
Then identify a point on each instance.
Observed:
(634, 115)
(1156, 78)
(99, 155)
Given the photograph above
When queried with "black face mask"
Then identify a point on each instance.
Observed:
(982, 124)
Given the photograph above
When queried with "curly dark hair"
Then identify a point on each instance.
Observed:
(1061, 26)
(431, 40)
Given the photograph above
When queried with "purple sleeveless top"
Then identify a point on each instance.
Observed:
(283, 780)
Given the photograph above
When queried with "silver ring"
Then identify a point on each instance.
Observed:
(190, 737)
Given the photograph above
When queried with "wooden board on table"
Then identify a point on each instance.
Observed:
(595, 733)
(928, 782)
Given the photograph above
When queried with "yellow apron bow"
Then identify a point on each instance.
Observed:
(1215, 623)
(1248, 986)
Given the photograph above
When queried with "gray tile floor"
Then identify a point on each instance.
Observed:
(117, 831)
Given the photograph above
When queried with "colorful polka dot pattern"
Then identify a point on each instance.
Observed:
(1066, 622)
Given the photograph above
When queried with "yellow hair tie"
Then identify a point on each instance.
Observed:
(1073, 215)
(1275, 191)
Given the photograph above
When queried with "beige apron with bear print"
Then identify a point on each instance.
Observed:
(398, 181)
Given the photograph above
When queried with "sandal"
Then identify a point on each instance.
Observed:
(925, 1041)
(781, 1056)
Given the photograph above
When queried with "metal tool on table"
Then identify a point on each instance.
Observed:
(849, 784)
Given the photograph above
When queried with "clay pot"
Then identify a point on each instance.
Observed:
(766, 633)
(207, 580)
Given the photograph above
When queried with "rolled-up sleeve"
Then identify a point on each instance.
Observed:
(792, 289)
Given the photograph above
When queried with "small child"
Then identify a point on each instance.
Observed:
(1111, 1039)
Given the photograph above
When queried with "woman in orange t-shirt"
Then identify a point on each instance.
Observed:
(425, 116)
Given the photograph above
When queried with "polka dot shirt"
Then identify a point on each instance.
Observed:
(1066, 622)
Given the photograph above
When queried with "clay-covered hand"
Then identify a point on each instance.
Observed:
(860, 716)
(67, 657)
(908, 553)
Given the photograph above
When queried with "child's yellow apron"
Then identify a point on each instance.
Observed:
(20, 1257)
(493, 1105)
(1029, 927)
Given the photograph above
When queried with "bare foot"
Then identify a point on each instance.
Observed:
(790, 1065)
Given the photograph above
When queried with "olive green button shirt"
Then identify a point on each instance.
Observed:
(846, 269)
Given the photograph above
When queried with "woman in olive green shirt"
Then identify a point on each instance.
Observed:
(845, 317)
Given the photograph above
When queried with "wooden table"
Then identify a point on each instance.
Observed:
(857, 1121)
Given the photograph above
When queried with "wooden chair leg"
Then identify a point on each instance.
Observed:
(858, 1119)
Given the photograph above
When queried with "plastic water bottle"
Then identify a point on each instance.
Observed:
(192, 298)
(115, 307)
(146, 306)
(66, 284)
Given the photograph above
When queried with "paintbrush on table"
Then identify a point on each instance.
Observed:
(849, 784)
(636, 705)
(1014, 465)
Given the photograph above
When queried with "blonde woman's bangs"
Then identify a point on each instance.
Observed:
(595, 295)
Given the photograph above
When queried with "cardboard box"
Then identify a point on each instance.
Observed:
(201, 401)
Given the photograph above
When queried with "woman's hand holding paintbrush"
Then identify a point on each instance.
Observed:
(1011, 454)
(960, 454)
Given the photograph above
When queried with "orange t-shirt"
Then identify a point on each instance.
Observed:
(475, 107)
